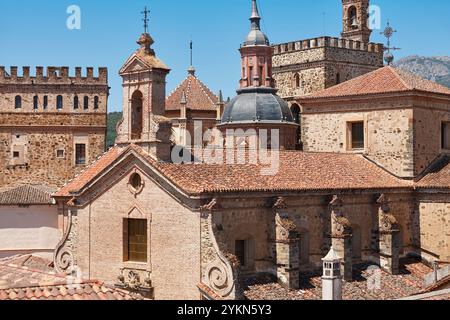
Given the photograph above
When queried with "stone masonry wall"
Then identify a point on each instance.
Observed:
(321, 63)
(37, 131)
(388, 133)
(42, 163)
(427, 136)
(249, 219)
(433, 225)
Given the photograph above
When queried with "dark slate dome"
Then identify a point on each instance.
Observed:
(256, 38)
(257, 105)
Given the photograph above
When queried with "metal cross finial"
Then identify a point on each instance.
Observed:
(388, 33)
(191, 47)
(145, 13)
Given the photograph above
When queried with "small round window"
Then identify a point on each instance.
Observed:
(136, 183)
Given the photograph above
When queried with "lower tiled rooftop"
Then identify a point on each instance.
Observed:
(410, 281)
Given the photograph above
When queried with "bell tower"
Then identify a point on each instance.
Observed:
(144, 92)
(356, 20)
(256, 55)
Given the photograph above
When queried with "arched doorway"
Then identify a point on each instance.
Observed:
(136, 115)
(296, 112)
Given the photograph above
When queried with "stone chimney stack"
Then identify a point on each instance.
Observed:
(332, 278)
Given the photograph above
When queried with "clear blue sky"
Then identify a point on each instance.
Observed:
(33, 32)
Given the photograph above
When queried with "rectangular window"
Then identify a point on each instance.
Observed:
(356, 132)
(135, 240)
(16, 154)
(80, 153)
(60, 153)
(241, 252)
(445, 135)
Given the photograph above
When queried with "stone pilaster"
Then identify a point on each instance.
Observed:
(287, 248)
(388, 241)
(341, 237)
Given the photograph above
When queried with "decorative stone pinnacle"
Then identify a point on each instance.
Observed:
(183, 98)
(146, 41)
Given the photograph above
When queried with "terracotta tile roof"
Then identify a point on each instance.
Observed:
(298, 171)
(90, 172)
(409, 282)
(384, 80)
(198, 96)
(27, 195)
(91, 290)
(29, 278)
(29, 261)
(437, 176)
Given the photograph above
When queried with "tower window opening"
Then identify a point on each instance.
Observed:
(35, 102)
(59, 102)
(353, 18)
(136, 115)
(45, 103)
(86, 103)
(96, 102)
(297, 80)
(18, 102)
(76, 102)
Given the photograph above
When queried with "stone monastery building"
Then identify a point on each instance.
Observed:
(372, 179)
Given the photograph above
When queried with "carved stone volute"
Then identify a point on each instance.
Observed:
(387, 222)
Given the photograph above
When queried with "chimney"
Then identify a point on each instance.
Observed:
(436, 271)
(332, 277)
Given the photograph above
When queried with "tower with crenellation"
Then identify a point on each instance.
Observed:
(307, 66)
(52, 124)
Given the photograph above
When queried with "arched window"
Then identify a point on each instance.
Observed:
(136, 115)
(35, 102)
(18, 102)
(59, 102)
(96, 102)
(76, 102)
(352, 18)
(86, 103)
(45, 103)
(297, 80)
(296, 112)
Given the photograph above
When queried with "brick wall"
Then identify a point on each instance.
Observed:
(174, 236)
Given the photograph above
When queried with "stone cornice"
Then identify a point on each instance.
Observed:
(318, 64)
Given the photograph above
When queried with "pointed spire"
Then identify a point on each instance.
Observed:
(256, 37)
(255, 18)
(220, 97)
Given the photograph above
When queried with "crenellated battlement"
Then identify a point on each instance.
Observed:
(327, 42)
(54, 75)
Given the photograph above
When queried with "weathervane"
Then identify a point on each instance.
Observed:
(388, 33)
(145, 13)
